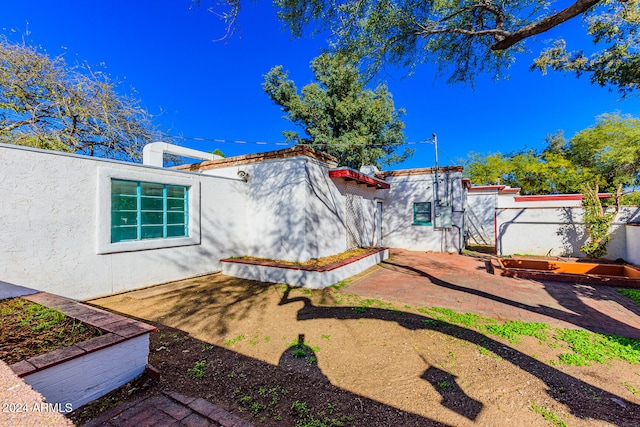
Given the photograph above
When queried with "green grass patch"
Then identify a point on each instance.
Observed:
(232, 341)
(513, 330)
(486, 352)
(198, 370)
(470, 320)
(552, 417)
(263, 402)
(299, 352)
(341, 284)
(634, 294)
(631, 388)
(28, 329)
(444, 384)
(430, 322)
(586, 347)
(598, 348)
(307, 418)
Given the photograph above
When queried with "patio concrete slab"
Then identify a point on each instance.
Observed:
(462, 283)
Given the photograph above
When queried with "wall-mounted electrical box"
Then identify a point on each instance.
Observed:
(443, 216)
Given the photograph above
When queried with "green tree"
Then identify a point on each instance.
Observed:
(488, 169)
(339, 115)
(610, 149)
(46, 104)
(532, 172)
(606, 154)
(464, 38)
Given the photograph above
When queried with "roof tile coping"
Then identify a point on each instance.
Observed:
(323, 269)
(556, 197)
(298, 150)
(117, 329)
(498, 188)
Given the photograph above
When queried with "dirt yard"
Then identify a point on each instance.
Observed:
(364, 362)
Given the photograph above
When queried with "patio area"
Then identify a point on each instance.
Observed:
(463, 284)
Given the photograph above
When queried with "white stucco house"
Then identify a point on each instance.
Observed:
(84, 227)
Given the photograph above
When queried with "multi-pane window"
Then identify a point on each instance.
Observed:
(147, 210)
(422, 213)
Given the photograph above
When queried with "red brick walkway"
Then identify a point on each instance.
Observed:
(462, 283)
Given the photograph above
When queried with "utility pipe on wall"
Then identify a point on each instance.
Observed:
(153, 153)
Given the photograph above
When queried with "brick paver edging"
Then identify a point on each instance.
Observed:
(209, 410)
(169, 409)
(117, 329)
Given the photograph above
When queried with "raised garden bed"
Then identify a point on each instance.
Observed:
(80, 371)
(28, 329)
(570, 271)
(316, 276)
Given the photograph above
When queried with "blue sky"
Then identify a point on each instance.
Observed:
(199, 88)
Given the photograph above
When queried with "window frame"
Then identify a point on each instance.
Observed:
(163, 224)
(104, 218)
(422, 222)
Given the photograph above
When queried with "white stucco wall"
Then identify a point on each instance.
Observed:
(397, 217)
(294, 210)
(50, 229)
(361, 219)
(556, 201)
(633, 243)
(325, 212)
(554, 231)
(481, 208)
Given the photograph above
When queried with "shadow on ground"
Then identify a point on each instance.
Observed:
(565, 389)
(248, 386)
(567, 295)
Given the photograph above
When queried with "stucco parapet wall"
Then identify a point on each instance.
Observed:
(419, 171)
(296, 151)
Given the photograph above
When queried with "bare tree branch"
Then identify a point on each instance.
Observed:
(578, 8)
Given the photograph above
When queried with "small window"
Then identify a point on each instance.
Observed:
(422, 213)
(146, 210)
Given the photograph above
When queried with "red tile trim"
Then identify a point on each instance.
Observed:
(556, 197)
(350, 174)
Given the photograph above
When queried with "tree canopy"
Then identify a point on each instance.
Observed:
(606, 154)
(44, 103)
(339, 115)
(464, 38)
